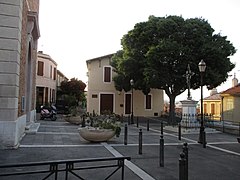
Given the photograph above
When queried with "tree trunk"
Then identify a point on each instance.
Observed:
(172, 109)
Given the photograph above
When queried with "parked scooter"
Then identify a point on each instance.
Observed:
(50, 113)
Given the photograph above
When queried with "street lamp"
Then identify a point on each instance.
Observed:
(132, 83)
(202, 134)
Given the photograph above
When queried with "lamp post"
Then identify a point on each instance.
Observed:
(202, 137)
(132, 83)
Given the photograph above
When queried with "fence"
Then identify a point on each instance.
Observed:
(53, 168)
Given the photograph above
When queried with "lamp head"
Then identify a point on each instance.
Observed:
(131, 82)
(202, 66)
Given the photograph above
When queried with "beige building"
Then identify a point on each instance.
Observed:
(46, 82)
(60, 78)
(102, 94)
(19, 33)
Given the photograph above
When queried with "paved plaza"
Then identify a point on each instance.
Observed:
(59, 140)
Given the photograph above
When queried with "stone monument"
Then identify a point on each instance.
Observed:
(189, 119)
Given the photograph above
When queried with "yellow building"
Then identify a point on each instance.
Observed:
(231, 104)
(102, 94)
(212, 105)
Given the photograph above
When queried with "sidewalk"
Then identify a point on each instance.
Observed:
(59, 140)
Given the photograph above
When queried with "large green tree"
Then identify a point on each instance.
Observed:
(156, 53)
(74, 88)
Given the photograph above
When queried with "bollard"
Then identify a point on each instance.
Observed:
(121, 118)
(185, 151)
(161, 152)
(137, 121)
(182, 167)
(83, 121)
(148, 125)
(223, 126)
(161, 128)
(179, 131)
(140, 142)
(125, 134)
(128, 119)
(204, 139)
(239, 129)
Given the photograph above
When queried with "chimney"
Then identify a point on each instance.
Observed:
(234, 81)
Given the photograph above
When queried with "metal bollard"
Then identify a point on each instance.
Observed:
(137, 121)
(161, 152)
(179, 131)
(182, 167)
(129, 120)
(148, 125)
(125, 134)
(239, 129)
(204, 139)
(161, 127)
(83, 121)
(223, 126)
(185, 151)
(140, 142)
(121, 118)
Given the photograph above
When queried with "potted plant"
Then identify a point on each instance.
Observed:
(74, 116)
(101, 127)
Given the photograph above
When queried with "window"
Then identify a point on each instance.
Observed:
(107, 74)
(204, 108)
(212, 109)
(50, 72)
(40, 68)
(148, 104)
(55, 73)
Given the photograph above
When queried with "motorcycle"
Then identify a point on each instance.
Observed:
(48, 113)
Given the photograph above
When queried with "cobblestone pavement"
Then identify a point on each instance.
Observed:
(60, 140)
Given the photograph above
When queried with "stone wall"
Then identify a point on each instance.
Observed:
(14, 43)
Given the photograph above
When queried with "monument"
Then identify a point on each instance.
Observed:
(189, 105)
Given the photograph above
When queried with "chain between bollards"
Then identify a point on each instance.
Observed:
(161, 152)
(140, 142)
(125, 134)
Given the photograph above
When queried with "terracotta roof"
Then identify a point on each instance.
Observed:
(235, 91)
(213, 97)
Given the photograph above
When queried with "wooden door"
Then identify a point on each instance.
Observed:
(106, 102)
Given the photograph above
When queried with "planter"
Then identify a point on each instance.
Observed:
(73, 119)
(96, 135)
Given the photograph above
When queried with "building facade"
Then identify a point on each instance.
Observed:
(102, 94)
(212, 105)
(18, 52)
(231, 104)
(46, 82)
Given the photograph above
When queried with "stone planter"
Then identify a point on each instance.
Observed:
(96, 135)
(73, 119)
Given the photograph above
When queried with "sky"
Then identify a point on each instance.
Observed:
(74, 31)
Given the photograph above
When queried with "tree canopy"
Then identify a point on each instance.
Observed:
(156, 53)
(74, 87)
